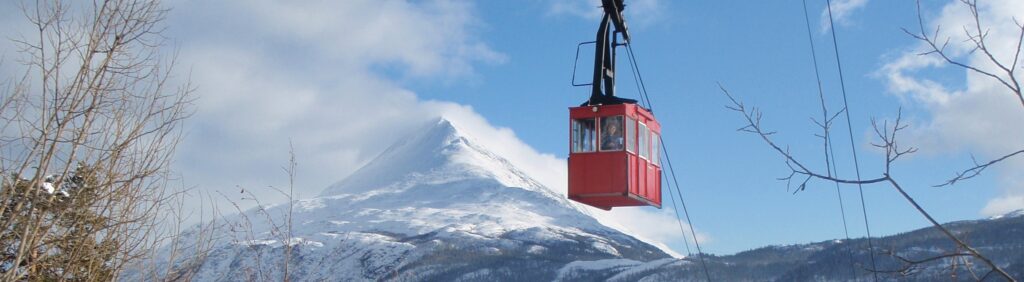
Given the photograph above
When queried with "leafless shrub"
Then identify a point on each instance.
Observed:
(87, 138)
(279, 226)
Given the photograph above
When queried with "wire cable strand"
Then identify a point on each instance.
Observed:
(830, 161)
(664, 150)
(700, 253)
(675, 209)
(640, 78)
(853, 145)
(646, 100)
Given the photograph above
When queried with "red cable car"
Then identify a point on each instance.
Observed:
(613, 144)
(613, 159)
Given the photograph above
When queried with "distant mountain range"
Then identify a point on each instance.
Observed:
(999, 238)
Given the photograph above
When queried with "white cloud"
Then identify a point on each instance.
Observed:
(322, 75)
(842, 10)
(1009, 202)
(639, 13)
(980, 116)
(546, 168)
(659, 227)
(588, 9)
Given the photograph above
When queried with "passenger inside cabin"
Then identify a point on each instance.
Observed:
(611, 134)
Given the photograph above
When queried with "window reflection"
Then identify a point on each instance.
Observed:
(642, 136)
(611, 133)
(583, 135)
(630, 134)
(655, 153)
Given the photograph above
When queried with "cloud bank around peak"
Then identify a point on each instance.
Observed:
(317, 76)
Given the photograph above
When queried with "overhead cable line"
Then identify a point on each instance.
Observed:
(830, 161)
(693, 232)
(664, 149)
(679, 221)
(639, 78)
(853, 145)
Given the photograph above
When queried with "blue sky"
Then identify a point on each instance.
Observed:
(759, 50)
(342, 79)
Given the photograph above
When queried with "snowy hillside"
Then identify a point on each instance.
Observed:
(435, 206)
(1000, 238)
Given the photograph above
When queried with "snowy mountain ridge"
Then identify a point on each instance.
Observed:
(1016, 213)
(1000, 239)
(433, 206)
(442, 152)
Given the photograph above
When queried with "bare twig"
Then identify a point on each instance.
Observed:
(278, 228)
(977, 169)
(1008, 77)
(96, 120)
(753, 117)
(977, 35)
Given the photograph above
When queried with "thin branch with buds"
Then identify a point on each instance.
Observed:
(977, 169)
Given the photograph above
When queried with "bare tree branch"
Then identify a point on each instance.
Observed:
(893, 151)
(977, 36)
(753, 117)
(977, 169)
(1008, 77)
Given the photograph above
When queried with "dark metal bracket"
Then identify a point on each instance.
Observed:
(577, 61)
(603, 83)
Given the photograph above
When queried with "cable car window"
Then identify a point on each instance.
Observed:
(642, 140)
(630, 135)
(583, 135)
(611, 133)
(655, 157)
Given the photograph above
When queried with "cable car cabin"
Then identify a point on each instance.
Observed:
(614, 156)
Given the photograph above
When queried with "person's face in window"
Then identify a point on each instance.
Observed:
(612, 129)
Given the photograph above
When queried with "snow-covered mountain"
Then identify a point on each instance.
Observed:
(433, 206)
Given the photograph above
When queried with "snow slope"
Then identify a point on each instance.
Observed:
(1012, 214)
(433, 206)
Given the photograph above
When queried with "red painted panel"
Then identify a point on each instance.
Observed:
(598, 172)
(633, 179)
(656, 197)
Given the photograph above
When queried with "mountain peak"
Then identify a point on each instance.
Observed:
(435, 205)
(438, 152)
(446, 125)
